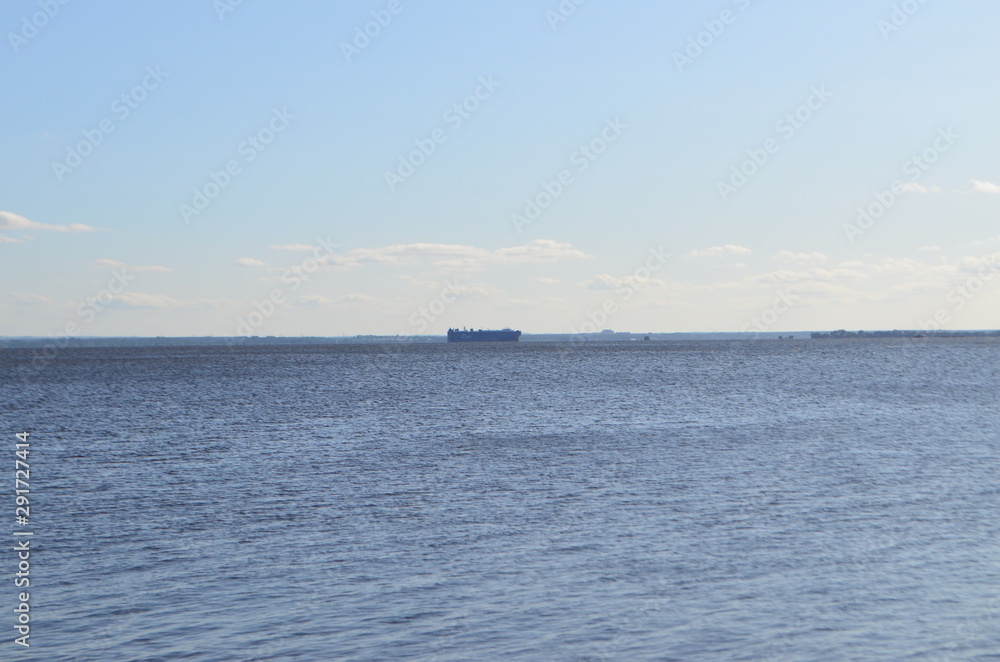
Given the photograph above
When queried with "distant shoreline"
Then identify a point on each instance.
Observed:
(210, 341)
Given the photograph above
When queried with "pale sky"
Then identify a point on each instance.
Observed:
(205, 168)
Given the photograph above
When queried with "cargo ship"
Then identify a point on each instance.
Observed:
(483, 335)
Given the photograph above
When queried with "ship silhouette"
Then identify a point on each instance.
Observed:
(483, 335)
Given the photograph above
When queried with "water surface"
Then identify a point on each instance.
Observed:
(794, 500)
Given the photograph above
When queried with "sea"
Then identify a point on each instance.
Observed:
(802, 500)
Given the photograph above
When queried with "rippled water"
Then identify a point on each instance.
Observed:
(801, 500)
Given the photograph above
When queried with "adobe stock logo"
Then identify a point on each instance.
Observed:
(223, 7)
(122, 107)
(913, 169)
(625, 289)
(581, 159)
(429, 313)
(249, 149)
(901, 15)
(425, 147)
(381, 18)
(293, 277)
(962, 294)
(768, 317)
(714, 29)
(31, 25)
(562, 13)
(787, 127)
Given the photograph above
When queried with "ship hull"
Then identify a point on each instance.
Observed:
(505, 335)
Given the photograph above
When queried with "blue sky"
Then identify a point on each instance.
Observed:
(307, 235)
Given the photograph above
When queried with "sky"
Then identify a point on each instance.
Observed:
(227, 167)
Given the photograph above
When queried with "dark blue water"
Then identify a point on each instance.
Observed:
(802, 500)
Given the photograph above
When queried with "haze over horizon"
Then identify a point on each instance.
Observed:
(553, 167)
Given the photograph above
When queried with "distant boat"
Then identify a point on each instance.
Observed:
(483, 335)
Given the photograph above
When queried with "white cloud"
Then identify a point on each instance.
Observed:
(459, 256)
(137, 300)
(311, 300)
(440, 256)
(9, 240)
(884, 281)
(19, 297)
(539, 250)
(11, 221)
(412, 253)
(973, 264)
(716, 251)
(548, 281)
(929, 249)
(602, 282)
(476, 291)
(115, 264)
(901, 265)
(731, 285)
(801, 258)
(416, 282)
(984, 187)
(817, 275)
